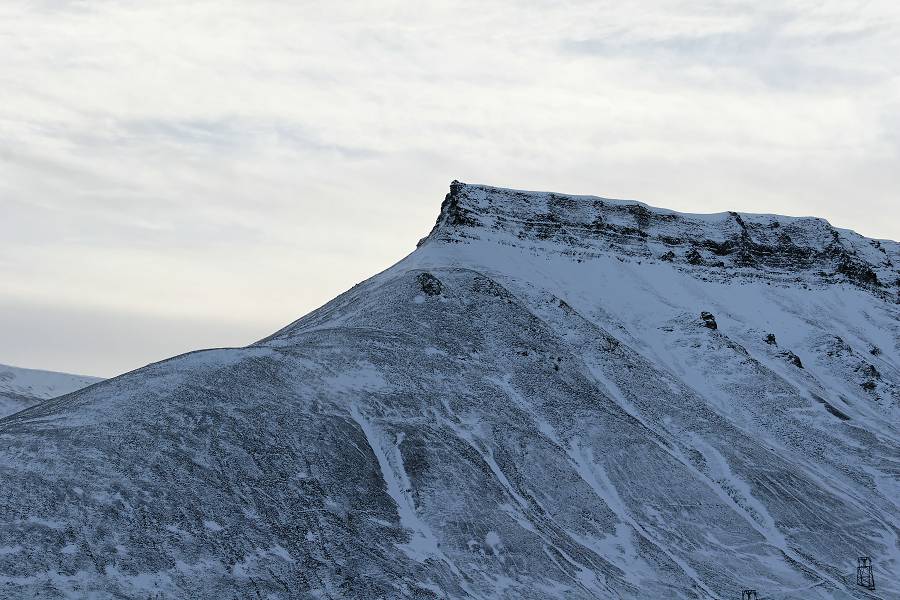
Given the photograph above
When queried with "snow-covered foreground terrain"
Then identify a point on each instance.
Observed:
(21, 388)
(530, 405)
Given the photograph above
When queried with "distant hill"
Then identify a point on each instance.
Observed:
(21, 388)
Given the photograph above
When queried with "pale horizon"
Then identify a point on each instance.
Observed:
(191, 174)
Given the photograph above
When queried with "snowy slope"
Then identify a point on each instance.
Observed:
(530, 405)
(21, 388)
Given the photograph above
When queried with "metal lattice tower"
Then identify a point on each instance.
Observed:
(749, 595)
(864, 575)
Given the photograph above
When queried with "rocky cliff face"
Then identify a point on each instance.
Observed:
(552, 397)
(716, 246)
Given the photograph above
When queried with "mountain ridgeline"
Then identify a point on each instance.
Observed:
(552, 397)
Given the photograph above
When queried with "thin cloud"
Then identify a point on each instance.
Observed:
(766, 48)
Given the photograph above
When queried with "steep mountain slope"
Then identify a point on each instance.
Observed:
(552, 397)
(21, 388)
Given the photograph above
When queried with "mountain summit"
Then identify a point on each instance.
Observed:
(552, 397)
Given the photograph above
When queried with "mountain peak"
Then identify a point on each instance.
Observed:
(720, 245)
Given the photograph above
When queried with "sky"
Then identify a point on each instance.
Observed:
(185, 174)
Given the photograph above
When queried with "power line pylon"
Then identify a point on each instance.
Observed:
(864, 575)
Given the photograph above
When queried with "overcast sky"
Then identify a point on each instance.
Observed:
(177, 174)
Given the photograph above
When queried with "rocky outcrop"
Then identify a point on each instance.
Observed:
(709, 320)
(792, 358)
(719, 246)
(431, 285)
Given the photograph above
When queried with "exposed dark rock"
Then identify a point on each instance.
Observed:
(671, 240)
(719, 248)
(770, 339)
(457, 215)
(641, 215)
(693, 257)
(858, 272)
(869, 370)
(744, 258)
(486, 285)
(830, 407)
(709, 320)
(837, 413)
(430, 284)
(668, 256)
(792, 358)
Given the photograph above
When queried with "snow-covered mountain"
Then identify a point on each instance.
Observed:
(552, 397)
(21, 388)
